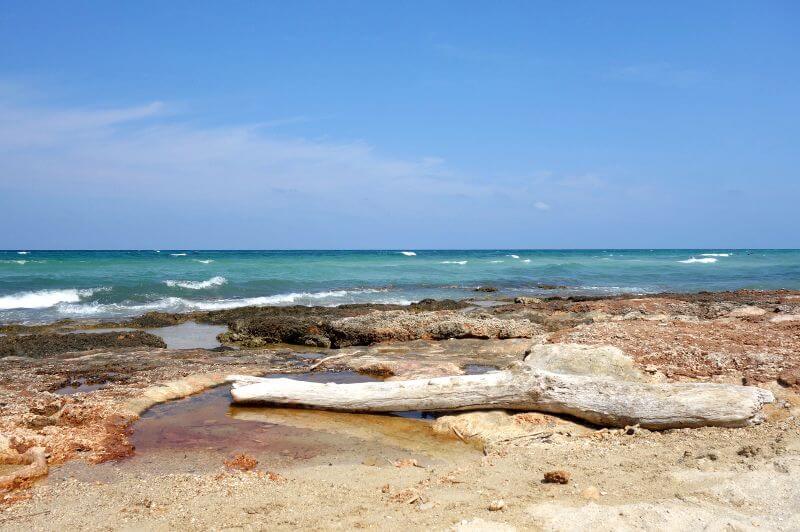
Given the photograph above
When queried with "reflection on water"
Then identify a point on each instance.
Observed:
(209, 423)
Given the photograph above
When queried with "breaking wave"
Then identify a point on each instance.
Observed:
(462, 262)
(204, 261)
(179, 304)
(514, 256)
(198, 285)
(46, 298)
(177, 254)
(705, 260)
(409, 253)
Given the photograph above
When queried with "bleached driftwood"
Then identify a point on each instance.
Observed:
(599, 400)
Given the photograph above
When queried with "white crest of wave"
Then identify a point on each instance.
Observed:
(409, 253)
(204, 261)
(177, 254)
(705, 260)
(453, 262)
(45, 298)
(179, 304)
(514, 256)
(716, 254)
(496, 261)
(198, 285)
(526, 260)
(22, 252)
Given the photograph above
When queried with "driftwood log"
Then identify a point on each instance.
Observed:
(599, 400)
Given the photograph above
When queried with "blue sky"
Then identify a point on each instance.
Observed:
(399, 124)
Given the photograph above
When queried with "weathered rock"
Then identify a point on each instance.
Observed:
(403, 326)
(556, 477)
(51, 344)
(581, 359)
(746, 311)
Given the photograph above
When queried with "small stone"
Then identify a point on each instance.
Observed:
(425, 506)
(591, 493)
(749, 451)
(497, 505)
(385, 488)
(556, 477)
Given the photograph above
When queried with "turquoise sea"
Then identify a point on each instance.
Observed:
(38, 286)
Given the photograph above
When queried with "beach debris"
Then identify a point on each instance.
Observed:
(556, 477)
(611, 400)
(241, 462)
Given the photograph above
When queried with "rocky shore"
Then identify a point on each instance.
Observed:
(77, 395)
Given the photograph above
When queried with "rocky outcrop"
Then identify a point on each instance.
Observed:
(319, 329)
(51, 344)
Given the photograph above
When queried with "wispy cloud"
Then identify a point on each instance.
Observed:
(542, 206)
(659, 73)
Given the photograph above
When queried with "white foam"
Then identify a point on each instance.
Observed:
(707, 260)
(409, 253)
(198, 285)
(177, 254)
(462, 262)
(178, 304)
(22, 252)
(514, 256)
(204, 261)
(526, 260)
(716, 254)
(157, 250)
(45, 298)
(496, 261)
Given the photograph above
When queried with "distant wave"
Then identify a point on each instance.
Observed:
(204, 261)
(177, 254)
(707, 260)
(526, 260)
(716, 254)
(462, 262)
(409, 253)
(198, 285)
(22, 261)
(22, 252)
(496, 261)
(46, 298)
(514, 256)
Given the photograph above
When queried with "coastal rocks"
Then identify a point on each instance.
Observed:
(34, 462)
(51, 344)
(746, 311)
(403, 326)
(578, 359)
(377, 326)
(487, 289)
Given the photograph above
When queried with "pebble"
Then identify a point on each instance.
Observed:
(497, 505)
(556, 477)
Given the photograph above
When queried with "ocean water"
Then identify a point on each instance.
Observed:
(40, 286)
